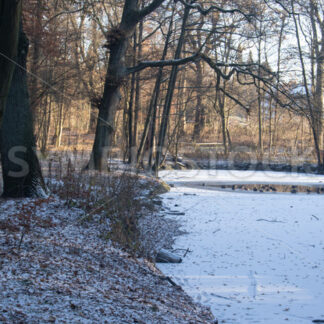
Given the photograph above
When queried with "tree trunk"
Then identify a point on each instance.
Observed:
(138, 101)
(10, 12)
(200, 111)
(107, 111)
(318, 93)
(260, 101)
(131, 110)
(36, 44)
(45, 124)
(148, 120)
(312, 114)
(21, 170)
(273, 134)
(151, 115)
(169, 95)
(92, 119)
(118, 40)
(220, 100)
(59, 124)
(319, 97)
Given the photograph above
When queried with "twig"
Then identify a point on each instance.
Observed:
(94, 210)
(186, 251)
(269, 221)
(21, 239)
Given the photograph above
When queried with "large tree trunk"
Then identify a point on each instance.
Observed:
(118, 40)
(21, 170)
(105, 127)
(35, 41)
(10, 12)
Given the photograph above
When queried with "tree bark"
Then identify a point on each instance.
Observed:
(10, 12)
(22, 176)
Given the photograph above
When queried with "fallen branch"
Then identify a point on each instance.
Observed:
(269, 221)
(165, 256)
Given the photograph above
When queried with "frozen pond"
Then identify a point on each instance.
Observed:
(255, 257)
(228, 177)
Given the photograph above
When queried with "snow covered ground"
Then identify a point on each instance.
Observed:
(255, 257)
(54, 268)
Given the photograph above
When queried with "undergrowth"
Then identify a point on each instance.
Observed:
(115, 200)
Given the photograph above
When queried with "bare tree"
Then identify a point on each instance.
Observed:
(117, 42)
(117, 72)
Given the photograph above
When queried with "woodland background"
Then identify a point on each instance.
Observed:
(69, 56)
(204, 80)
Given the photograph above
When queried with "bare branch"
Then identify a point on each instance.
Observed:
(65, 12)
(216, 67)
(268, 86)
(146, 64)
(149, 8)
(235, 100)
(205, 12)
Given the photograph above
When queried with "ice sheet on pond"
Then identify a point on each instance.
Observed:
(256, 258)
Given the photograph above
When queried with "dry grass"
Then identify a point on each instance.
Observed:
(117, 200)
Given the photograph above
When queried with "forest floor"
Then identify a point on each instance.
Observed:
(57, 266)
(254, 256)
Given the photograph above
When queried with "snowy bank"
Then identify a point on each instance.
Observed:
(55, 270)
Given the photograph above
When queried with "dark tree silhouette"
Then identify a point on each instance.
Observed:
(22, 176)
